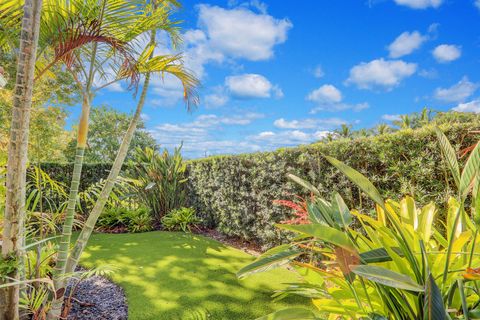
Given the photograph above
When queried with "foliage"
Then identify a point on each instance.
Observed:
(141, 221)
(399, 264)
(180, 219)
(50, 97)
(105, 132)
(137, 220)
(158, 180)
(234, 193)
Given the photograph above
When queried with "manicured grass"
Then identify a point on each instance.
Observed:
(169, 275)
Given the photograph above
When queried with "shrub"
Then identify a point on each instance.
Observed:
(121, 219)
(158, 180)
(140, 221)
(399, 266)
(234, 193)
(180, 219)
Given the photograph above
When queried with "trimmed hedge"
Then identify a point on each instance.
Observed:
(234, 193)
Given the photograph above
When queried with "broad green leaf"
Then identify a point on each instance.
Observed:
(321, 232)
(379, 255)
(314, 214)
(359, 179)
(470, 171)
(290, 314)
(326, 210)
(387, 277)
(433, 303)
(449, 155)
(271, 259)
(307, 185)
(343, 211)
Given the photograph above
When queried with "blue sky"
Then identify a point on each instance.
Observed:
(283, 73)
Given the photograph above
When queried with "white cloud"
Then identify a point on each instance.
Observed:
(241, 33)
(458, 92)
(391, 117)
(446, 52)
(318, 71)
(224, 35)
(328, 98)
(472, 106)
(420, 4)
(381, 73)
(198, 136)
(335, 107)
(115, 87)
(428, 73)
(145, 117)
(215, 100)
(310, 123)
(324, 94)
(273, 140)
(477, 4)
(406, 43)
(249, 86)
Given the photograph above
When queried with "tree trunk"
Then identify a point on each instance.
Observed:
(112, 177)
(13, 233)
(64, 246)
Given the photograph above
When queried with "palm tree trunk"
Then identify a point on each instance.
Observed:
(109, 184)
(13, 233)
(64, 246)
(82, 240)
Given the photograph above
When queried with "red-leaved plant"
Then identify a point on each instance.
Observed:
(299, 207)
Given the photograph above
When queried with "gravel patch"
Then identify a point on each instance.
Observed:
(98, 298)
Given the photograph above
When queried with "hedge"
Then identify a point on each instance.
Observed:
(234, 193)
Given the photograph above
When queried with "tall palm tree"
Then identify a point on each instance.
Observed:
(145, 16)
(13, 234)
(383, 128)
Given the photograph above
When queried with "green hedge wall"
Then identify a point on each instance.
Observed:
(235, 193)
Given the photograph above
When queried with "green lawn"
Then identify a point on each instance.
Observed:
(168, 275)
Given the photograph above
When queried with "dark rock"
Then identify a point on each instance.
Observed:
(97, 298)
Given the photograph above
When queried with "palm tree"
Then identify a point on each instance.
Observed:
(405, 122)
(146, 16)
(17, 155)
(383, 128)
(345, 131)
(425, 116)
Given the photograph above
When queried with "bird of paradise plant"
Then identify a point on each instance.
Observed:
(399, 265)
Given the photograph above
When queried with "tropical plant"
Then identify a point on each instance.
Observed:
(399, 265)
(180, 219)
(17, 155)
(123, 219)
(345, 131)
(139, 221)
(383, 128)
(156, 12)
(158, 180)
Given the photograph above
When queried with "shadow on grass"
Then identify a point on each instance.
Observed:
(181, 276)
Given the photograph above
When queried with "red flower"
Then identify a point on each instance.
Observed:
(299, 208)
